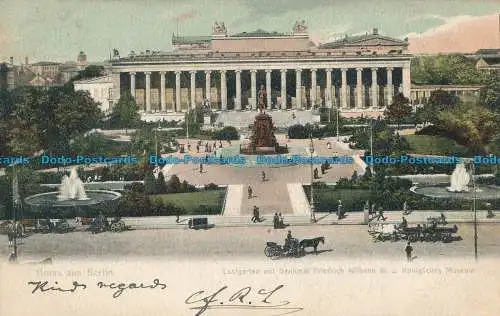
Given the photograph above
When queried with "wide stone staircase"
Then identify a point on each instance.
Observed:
(281, 119)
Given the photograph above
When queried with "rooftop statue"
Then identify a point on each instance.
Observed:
(300, 27)
(219, 28)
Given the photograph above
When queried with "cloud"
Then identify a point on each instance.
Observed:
(461, 33)
(326, 35)
(185, 16)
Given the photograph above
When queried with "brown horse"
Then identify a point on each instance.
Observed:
(305, 243)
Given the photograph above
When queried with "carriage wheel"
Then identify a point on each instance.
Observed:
(116, 227)
(64, 228)
(267, 252)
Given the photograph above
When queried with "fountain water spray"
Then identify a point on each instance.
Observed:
(71, 188)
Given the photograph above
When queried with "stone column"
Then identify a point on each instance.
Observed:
(162, 92)
(132, 84)
(390, 87)
(116, 86)
(313, 87)
(207, 84)
(328, 92)
(177, 91)
(283, 89)
(193, 89)
(237, 104)
(406, 80)
(268, 88)
(343, 94)
(148, 91)
(374, 87)
(298, 88)
(253, 79)
(359, 91)
(223, 90)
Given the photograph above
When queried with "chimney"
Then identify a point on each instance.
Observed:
(375, 31)
(26, 61)
(12, 60)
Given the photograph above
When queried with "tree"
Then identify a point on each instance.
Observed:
(49, 119)
(174, 184)
(490, 94)
(149, 183)
(475, 126)
(125, 113)
(399, 109)
(160, 184)
(228, 133)
(445, 69)
(92, 71)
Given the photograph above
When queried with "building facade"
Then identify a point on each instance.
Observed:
(420, 93)
(99, 89)
(355, 73)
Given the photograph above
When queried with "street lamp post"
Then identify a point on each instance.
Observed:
(15, 201)
(187, 127)
(337, 123)
(474, 208)
(311, 150)
(371, 144)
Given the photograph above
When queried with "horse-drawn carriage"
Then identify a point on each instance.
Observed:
(102, 224)
(431, 232)
(292, 248)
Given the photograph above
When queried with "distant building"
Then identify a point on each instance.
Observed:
(99, 89)
(46, 69)
(421, 93)
(81, 61)
(487, 59)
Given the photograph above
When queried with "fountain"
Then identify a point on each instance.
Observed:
(71, 193)
(458, 188)
(71, 188)
(459, 179)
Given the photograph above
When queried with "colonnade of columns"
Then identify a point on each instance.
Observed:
(344, 98)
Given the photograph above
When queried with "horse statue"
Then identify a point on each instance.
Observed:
(306, 243)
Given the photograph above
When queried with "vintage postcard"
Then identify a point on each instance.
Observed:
(193, 157)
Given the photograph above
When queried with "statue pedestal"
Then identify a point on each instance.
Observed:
(207, 120)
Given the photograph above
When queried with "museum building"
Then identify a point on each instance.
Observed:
(358, 74)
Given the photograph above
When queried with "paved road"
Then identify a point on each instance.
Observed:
(271, 196)
(346, 241)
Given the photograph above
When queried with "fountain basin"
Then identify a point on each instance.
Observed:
(486, 192)
(94, 197)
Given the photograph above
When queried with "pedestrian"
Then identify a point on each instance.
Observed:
(201, 168)
(255, 216)
(280, 221)
(263, 176)
(316, 173)
(404, 224)
(339, 210)
(198, 149)
(381, 214)
(322, 169)
(250, 192)
(408, 250)
(10, 233)
(276, 221)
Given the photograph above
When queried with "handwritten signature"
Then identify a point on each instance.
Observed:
(43, 286)
(243, 298)
(201, 301)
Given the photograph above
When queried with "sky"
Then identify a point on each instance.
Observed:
(57, 30)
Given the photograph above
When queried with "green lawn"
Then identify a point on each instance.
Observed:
(191, 202)
(434, 145)
(326, 199)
